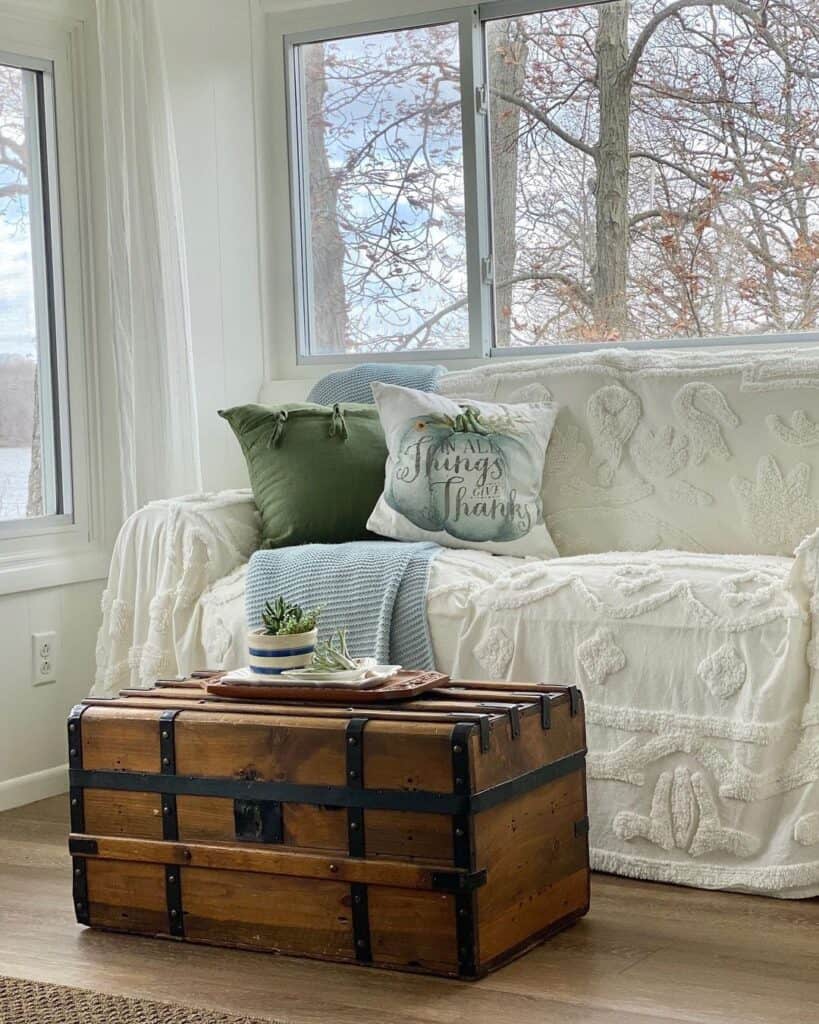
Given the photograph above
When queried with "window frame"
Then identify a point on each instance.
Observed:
(52, 552)
(52, 361)
(476, 191)
(477, 181)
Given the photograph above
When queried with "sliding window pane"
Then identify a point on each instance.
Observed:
(655, 171)
(28, 481)
(381, 180)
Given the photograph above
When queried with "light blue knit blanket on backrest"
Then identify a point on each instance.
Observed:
(377, 590)
(353, 385)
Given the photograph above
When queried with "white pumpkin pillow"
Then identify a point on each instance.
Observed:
(463, 475)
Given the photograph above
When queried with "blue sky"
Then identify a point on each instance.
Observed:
(17, 324)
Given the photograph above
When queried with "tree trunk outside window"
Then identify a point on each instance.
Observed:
(610, 272)
(327, 245)
(35, 474)
(507, 73)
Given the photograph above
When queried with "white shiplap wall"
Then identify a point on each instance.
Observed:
(210, 74)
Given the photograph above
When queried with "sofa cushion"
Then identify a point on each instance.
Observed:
(699, 451)
(316, 472)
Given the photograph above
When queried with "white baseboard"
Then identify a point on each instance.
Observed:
(27, 789)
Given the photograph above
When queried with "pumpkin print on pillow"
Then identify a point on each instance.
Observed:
(464, 475)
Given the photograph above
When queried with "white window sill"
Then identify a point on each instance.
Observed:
(22, 573)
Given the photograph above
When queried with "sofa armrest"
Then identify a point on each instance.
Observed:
(804, 584)
(167, 554)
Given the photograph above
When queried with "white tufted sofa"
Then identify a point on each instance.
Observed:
(682, 490)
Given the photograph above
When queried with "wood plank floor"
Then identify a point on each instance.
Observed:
(645, 953)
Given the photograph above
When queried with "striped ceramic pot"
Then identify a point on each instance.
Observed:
(272, 655)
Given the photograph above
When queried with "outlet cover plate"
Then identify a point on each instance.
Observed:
(43, 658)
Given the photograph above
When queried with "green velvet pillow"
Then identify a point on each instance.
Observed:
(316, 471)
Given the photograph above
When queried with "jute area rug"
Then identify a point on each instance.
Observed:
(32, 1002)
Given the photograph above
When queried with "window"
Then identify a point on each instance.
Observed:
(641, 171)
(34, 475)
(383, 186)
(655, 173)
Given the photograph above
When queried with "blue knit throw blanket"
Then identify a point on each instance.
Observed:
(377, 590)
(353, 385)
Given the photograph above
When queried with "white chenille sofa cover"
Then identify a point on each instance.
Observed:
(682, 491)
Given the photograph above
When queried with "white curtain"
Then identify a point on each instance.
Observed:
(158, 430)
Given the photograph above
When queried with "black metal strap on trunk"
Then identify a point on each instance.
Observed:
(336, 796)
(75, 796)
(465, 918)
(167, 757)
(545, 711)
(575, 700)
(514, 720)
(354, 763)
(361, 923)
(480, 712)
(167, 740)
(75, 735)
(355, 780)
(76, 804)
(80, 888)
(461, 783)
(173, 898)
(461, 765)
(81, 846)
(463, 849)
(484, 726)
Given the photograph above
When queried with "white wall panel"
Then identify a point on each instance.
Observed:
(32, 726)
(208, 52)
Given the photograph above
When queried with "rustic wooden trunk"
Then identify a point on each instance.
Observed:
(444, 835)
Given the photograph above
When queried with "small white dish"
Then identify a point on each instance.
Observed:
(355, 675)
(372, 675)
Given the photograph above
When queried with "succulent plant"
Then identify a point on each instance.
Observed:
(281, 618)
(332, 655)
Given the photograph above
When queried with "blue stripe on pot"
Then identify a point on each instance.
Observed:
(272, 655)
(287, 652)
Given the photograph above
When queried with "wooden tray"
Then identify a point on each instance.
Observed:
(405, 685)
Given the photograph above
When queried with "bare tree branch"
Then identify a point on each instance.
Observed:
(651, 26)
(553, 126)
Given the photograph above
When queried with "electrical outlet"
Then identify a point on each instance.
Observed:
(43, 658)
